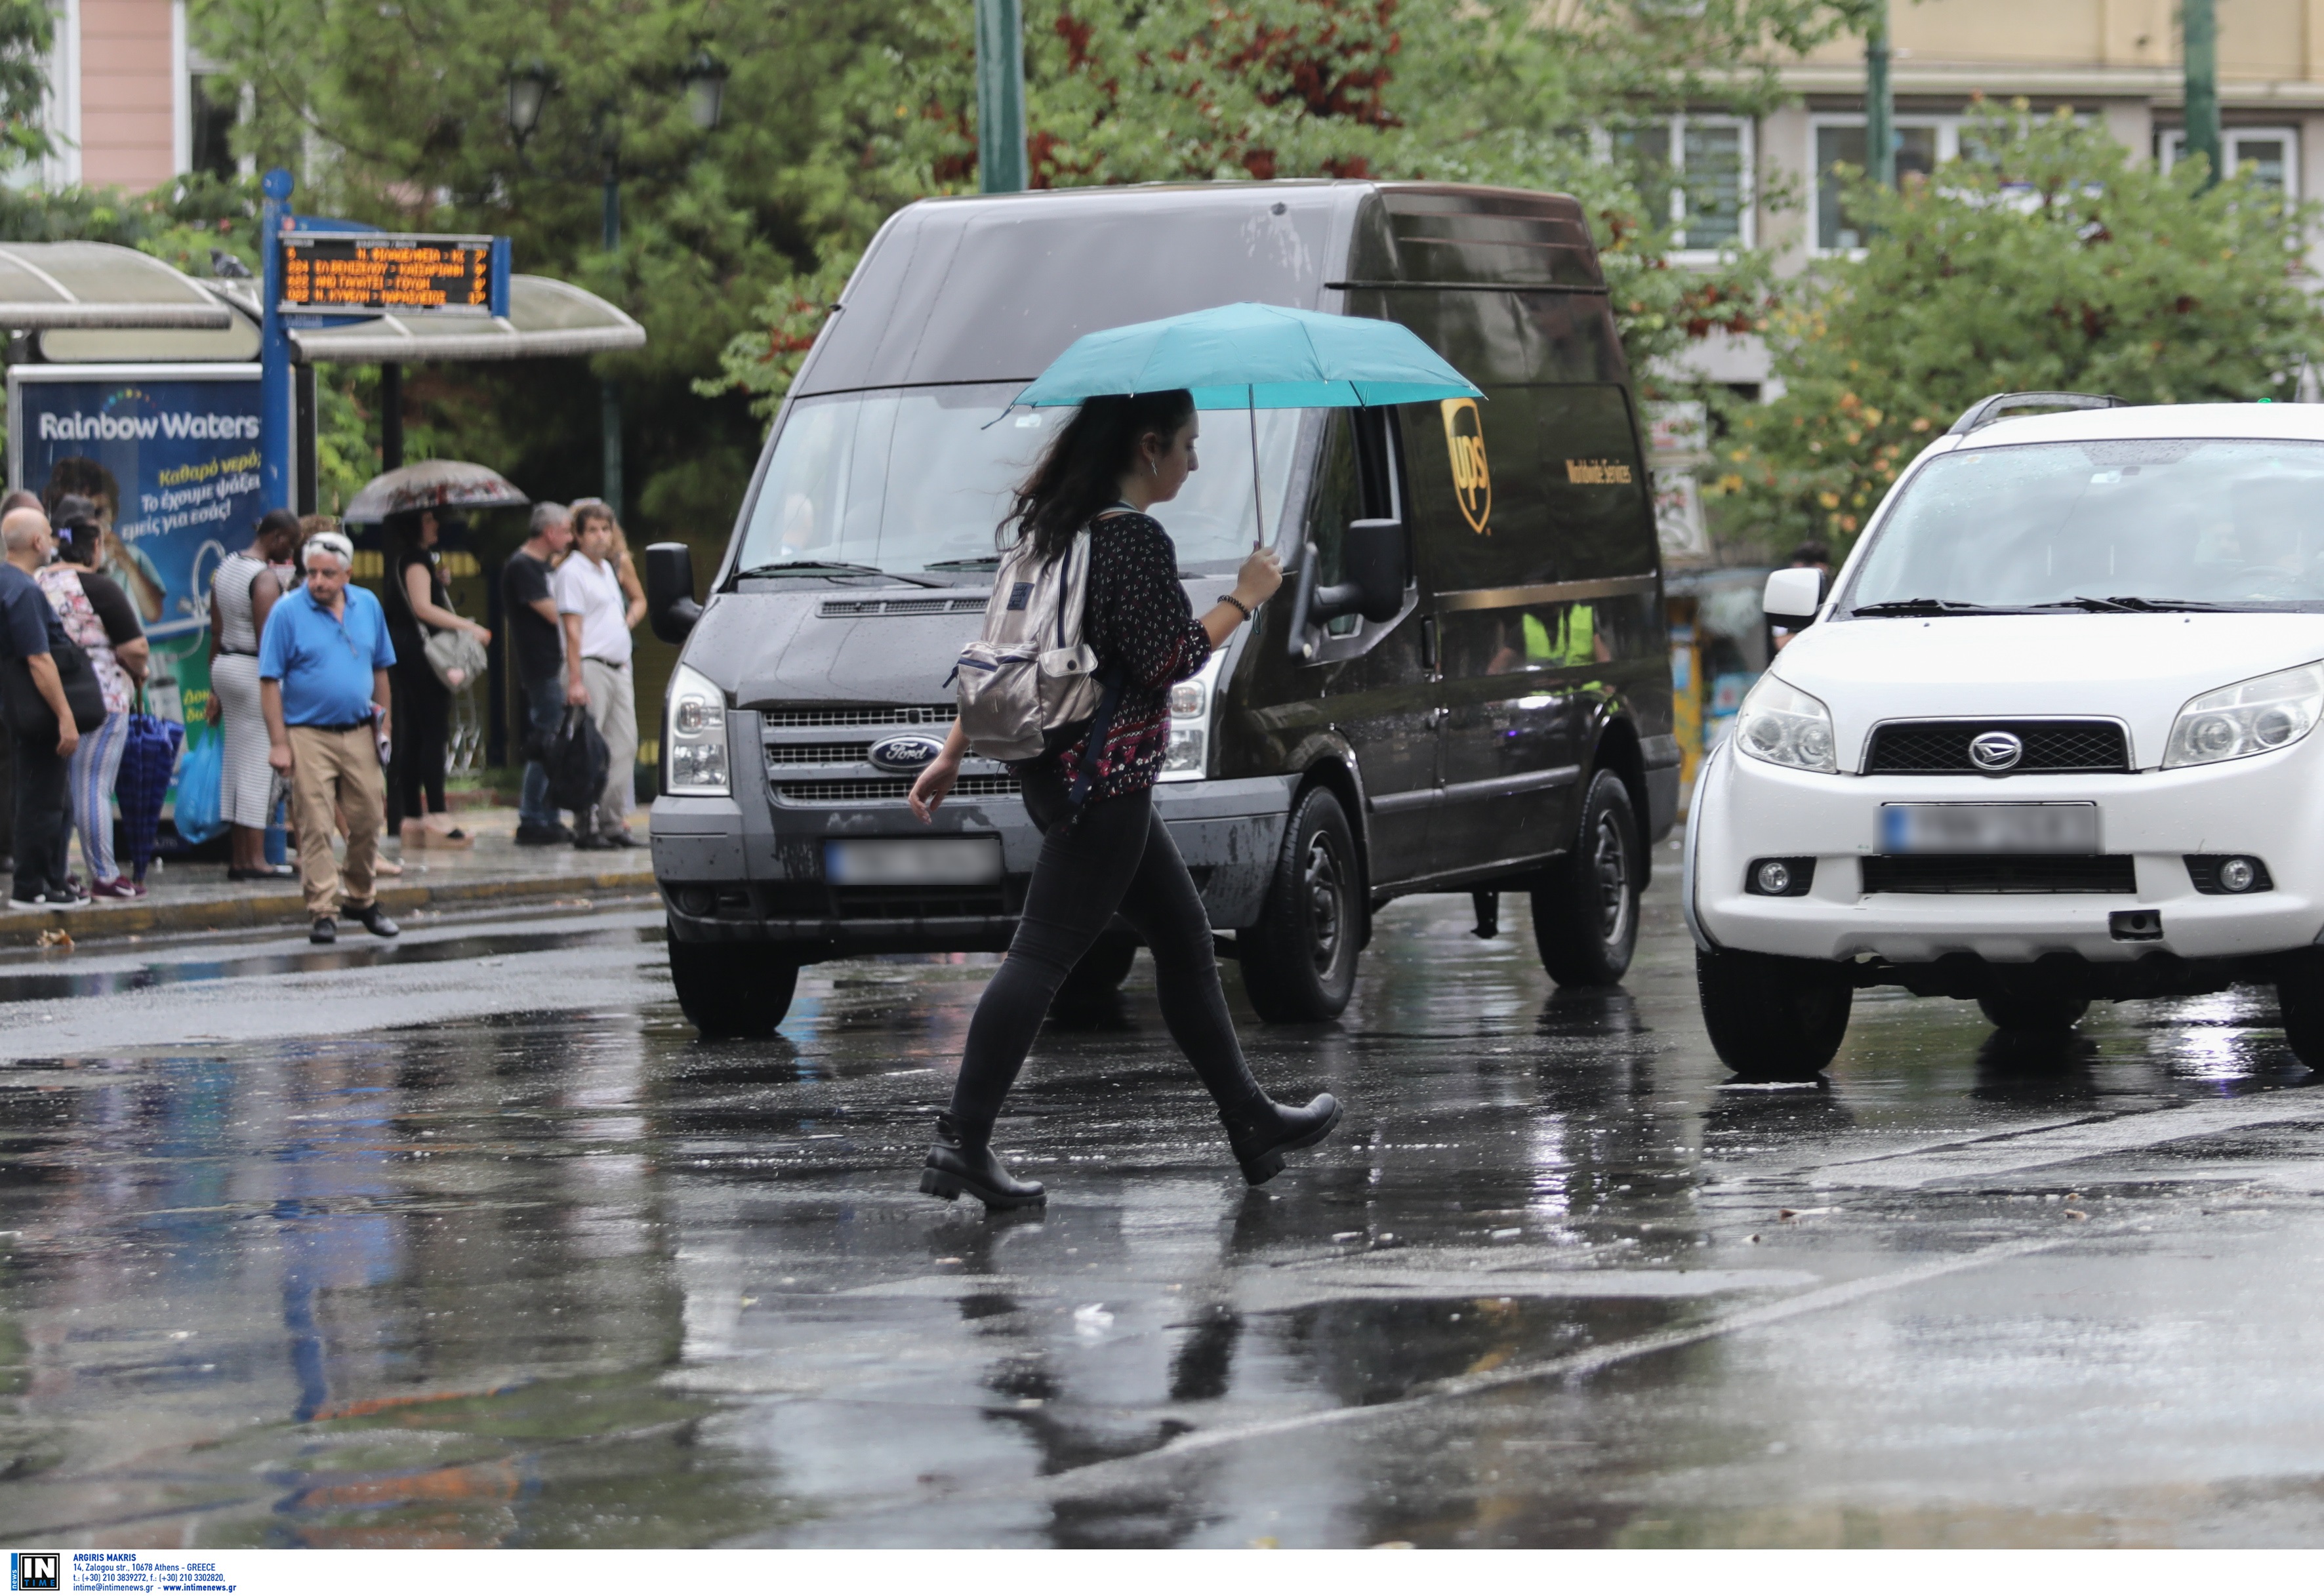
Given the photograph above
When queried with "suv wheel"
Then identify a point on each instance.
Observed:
(2034, 1011)
(1585, 914)
(2300, 993)
(731, 989)
(1772, 1019)
(1300, 962)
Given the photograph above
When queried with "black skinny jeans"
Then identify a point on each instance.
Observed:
(423, 716)
(1115, 856)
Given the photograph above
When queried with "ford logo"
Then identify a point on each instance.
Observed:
(905, 753)
(1989, 750)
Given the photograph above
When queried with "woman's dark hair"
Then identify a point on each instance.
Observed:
(278, 524)
(402, 529)
(1081, 471)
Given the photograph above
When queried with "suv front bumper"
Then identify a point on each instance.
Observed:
(1747, 810)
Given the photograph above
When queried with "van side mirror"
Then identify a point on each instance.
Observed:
(670, 591)
(1372, 558)
(1793, 595)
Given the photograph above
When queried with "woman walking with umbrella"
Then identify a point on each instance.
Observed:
(1119, 456)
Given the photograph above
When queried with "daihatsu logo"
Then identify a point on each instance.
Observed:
(1996, 751)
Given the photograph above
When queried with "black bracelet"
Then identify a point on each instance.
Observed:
(1228, 599)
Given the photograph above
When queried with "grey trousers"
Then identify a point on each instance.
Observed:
(613, 708)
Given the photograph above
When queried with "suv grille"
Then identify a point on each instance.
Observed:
(972, 605)
(1941, 748)
(2000, 873)
(864, 715)
(875, 791)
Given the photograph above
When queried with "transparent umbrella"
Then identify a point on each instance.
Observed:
(432, 485)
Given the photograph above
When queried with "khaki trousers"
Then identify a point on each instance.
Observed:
(613, 709)
(336, 770)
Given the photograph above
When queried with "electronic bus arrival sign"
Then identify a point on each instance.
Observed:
(396, 273)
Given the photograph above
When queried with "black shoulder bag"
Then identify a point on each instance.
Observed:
(29, 716)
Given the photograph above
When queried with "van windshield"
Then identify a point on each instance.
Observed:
(2150, 524)
(916, 479)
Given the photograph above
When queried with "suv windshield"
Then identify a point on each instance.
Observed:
(2135, 525)
(916, 479)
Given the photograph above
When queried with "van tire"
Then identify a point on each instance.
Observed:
(2300, 993)
(731, 989)
(1101, 971)
(1299, 961)
(2034, 1011)
(1772, 1019)
(1585, 914)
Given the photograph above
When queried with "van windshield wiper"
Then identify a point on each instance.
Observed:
(1935, 606)
(829, 567)
(983, 562)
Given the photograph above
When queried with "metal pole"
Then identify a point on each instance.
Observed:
(2202, 53)
(276, 445)
(391, 416)
(999, 96)
(1879, 101)
(609, 393)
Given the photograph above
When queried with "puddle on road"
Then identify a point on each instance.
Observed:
(577, 1279)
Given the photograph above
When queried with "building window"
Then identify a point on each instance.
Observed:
(1694, 173)
(2270, 155)
(216, 105)
(1922, 143)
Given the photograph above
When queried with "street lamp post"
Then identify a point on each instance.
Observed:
(702, 80)
(2201, 49)
(1879, 101)
(999, 96)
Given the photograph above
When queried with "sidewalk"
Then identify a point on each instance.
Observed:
(195, 898)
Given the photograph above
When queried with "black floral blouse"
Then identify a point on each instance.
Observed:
(1138, 620)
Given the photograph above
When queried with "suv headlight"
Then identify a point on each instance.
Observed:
(693, 738)
(2256, 716)
(1785, 726)
(1191, 703)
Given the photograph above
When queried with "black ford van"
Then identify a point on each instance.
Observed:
(1464, 684)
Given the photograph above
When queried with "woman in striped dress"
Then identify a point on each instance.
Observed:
(242, 592)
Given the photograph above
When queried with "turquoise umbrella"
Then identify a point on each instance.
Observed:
(1259, 357)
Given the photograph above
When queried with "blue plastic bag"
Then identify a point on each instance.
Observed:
(198, 776)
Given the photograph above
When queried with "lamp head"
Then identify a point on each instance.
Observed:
(704, 78)
(528, 83)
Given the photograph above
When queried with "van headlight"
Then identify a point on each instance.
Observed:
(1188, 758)
(694, 736)
(1785, 726)
(2256, 716)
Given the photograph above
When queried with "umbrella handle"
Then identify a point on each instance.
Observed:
(1257, 493)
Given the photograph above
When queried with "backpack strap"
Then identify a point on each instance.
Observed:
(1093, 744)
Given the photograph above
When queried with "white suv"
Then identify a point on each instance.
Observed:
(2048, 740)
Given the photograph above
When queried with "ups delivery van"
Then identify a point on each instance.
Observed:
(1464, 684)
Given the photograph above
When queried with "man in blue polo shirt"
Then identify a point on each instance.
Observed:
(322, 666)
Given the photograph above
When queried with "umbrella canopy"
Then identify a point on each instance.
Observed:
(431, 485)
(1263, 357)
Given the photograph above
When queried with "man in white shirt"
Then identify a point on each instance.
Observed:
(597, 618)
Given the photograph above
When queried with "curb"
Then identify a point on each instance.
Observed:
(285, 907)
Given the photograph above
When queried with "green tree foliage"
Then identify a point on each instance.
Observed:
(2047, 257)
(27, 30)
(1495, 92)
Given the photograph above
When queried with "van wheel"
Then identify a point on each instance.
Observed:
(2300, 993)
(732, 989)
(1772, 1019)
(1585, 916)
(2034, 1011)
(1101, 970)
(1300, 962)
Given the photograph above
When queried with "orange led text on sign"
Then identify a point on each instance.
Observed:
(393, 274)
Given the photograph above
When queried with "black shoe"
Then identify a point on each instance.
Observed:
(622, 839)
(264, 873)
(595, 844)
(1261, 1132)
(325, 929)
(372, 918)
(953, 1167)
(542, 837)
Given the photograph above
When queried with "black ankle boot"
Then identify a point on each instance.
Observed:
(1262, 1130)
(954, 1167)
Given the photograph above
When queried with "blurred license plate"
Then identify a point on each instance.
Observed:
(934, 861)
(1988, 828)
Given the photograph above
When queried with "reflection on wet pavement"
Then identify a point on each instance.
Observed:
(560, 1276)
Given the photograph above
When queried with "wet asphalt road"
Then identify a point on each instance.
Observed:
(469, 1242)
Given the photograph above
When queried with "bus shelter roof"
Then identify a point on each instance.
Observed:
(91, 286)
(547, 317)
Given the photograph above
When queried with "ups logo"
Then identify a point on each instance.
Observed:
(1473, 479)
